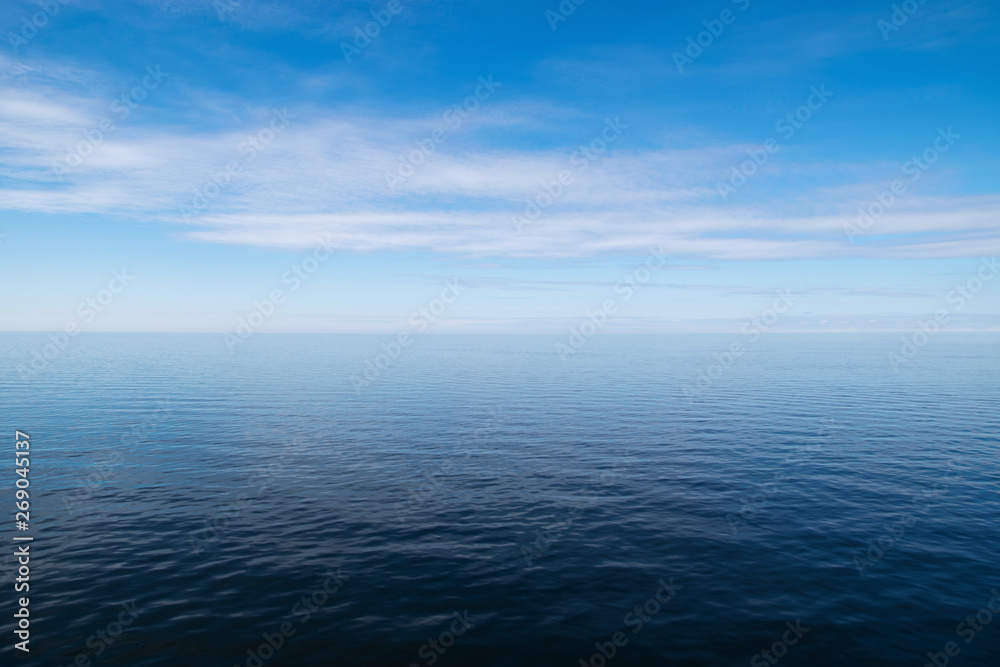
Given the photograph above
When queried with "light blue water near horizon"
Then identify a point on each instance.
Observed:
(547, 498)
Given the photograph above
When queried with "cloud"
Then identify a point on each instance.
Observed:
(324, 176)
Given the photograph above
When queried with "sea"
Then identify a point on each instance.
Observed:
(816, 499)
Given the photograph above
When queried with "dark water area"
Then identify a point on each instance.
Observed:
(483, 502)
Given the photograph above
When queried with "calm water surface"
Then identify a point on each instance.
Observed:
(541, 501)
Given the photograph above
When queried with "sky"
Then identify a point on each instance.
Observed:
(513, 166)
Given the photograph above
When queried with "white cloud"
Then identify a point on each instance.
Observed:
(327, 176)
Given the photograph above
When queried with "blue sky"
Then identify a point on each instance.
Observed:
(207, 148)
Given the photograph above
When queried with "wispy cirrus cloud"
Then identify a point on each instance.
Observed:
(325, 176)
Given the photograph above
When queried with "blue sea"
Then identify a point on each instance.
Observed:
(481, 501)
